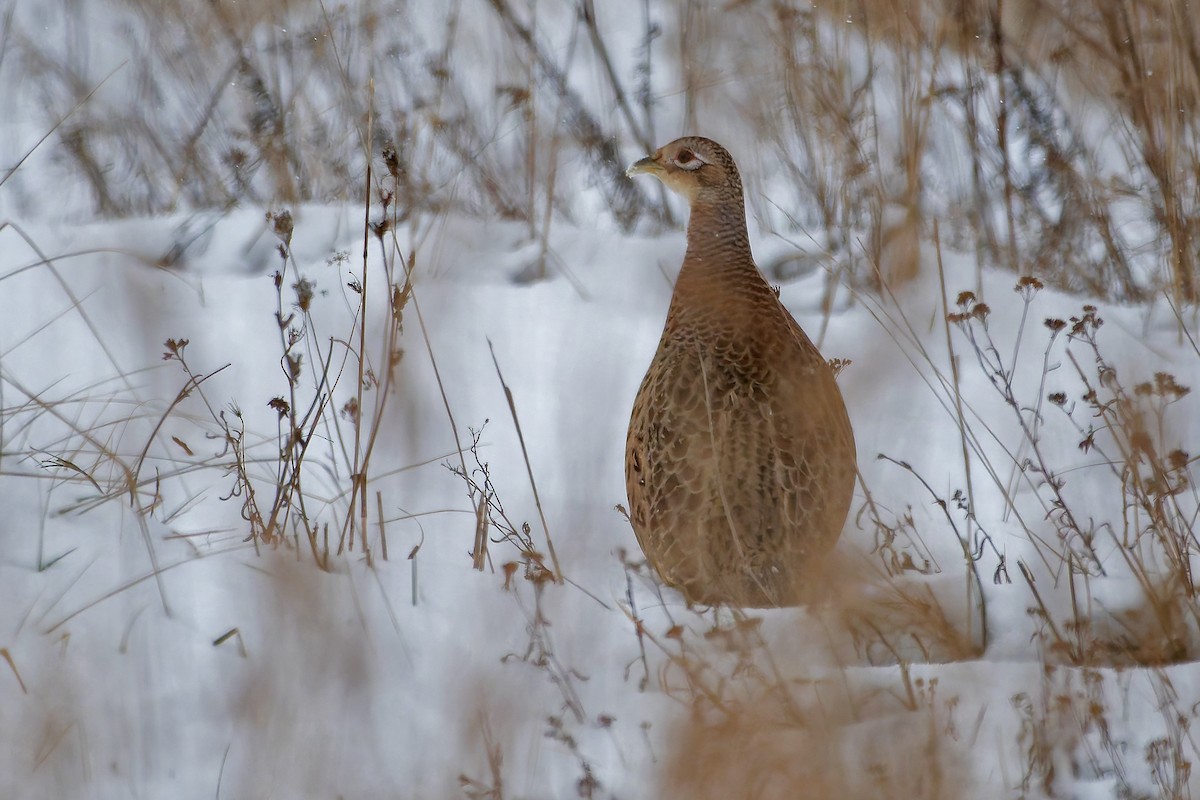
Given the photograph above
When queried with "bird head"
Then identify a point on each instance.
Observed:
(697, 168)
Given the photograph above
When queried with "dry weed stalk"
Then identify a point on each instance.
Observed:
(1078, 719)
(1073, 536)
(1018, 97)
(313, 373)
(493, 523)
(1152, 540)
(493, 787)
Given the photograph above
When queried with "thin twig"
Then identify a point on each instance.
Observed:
(512, 408)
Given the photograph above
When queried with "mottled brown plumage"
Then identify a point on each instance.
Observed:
(740, 459)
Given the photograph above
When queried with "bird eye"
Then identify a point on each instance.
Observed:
(688, 160)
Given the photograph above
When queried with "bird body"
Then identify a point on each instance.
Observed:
(740, 461)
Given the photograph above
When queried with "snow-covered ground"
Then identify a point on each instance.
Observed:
(150, 648)
(395, 678)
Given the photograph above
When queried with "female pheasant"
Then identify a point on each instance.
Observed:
(740, 460)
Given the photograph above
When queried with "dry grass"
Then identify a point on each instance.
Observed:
(749, 752)
(1025, 126)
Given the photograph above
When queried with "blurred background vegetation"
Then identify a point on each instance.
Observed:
(1051, 137)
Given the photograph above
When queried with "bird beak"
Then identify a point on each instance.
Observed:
(645, 165)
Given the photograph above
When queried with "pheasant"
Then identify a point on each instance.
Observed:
(740, 459)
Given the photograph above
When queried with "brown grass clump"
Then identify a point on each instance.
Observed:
(770, 709)
(750, 753)
(759, 731)
(1050, 64)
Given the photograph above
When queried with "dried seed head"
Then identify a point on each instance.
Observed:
(304, 293)
(282, 225)
(174, 349)
(280, 405)
(391, 159)
(350, 410)
(1166, 386)
(1027, 287)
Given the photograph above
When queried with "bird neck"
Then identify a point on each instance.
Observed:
(717, 241)
(719, 286)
